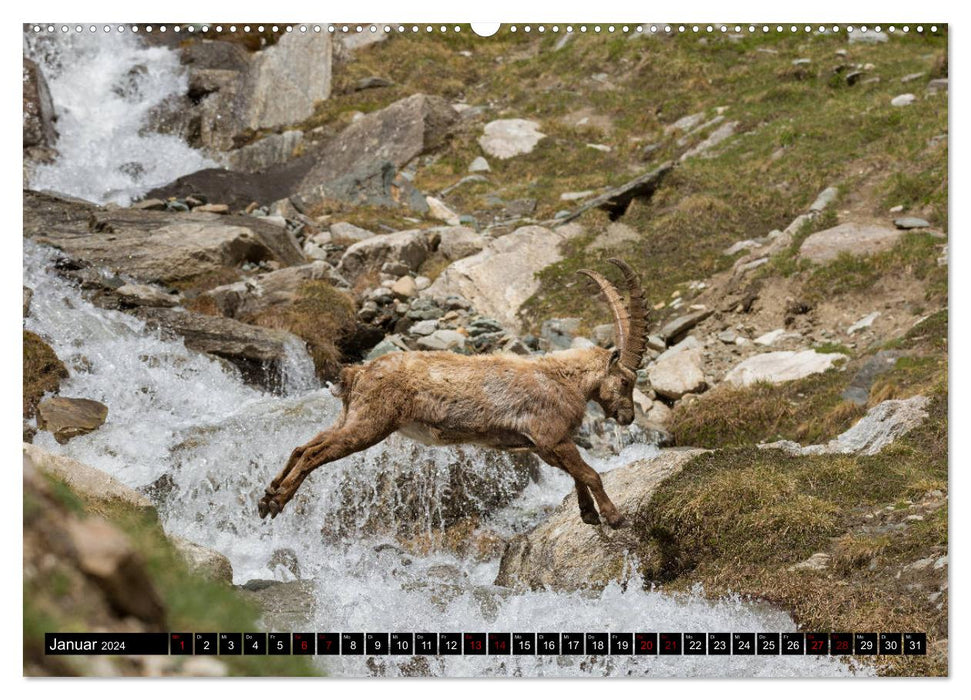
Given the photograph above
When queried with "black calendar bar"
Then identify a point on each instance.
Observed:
(765, 644)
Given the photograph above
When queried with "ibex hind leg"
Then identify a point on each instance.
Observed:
(329, 446)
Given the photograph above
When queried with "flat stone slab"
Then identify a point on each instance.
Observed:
(781, 366)
(67, 418)
(853, 238)
(881, 425)
(507, 138)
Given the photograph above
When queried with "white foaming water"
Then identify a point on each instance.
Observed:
(176, 414)
(103, 87)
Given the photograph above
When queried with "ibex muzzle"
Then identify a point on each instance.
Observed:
(500, 401)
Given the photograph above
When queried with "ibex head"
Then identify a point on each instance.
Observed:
(616, 390)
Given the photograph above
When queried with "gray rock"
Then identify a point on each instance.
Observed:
(501, 277)
(565, 554)
(154, 246)
(439, 210)
(864, 322)
(909, 222)
(259, 293)
(858, 390)
(937, 84)
(903, 100)
(269, 150)
(259, 353)
(854, 238)
(394, 268)
(678, 374)
(603, 335)
(377, 143)
(870, 37)
(459, 242)
(559, 332)
(616, 200)
(391, 343)
(68, 418)
(426, 327)
(203, 561)
(506, 138)
(728, 337)
(479, 165)
(87, 482)
(131, 294)
(286, 80)
(740, 246)
(38, 111)
(408, 247)
(442, 339)
(685, 123)
(28, 295)
(881, 426)
(720, 134)
(343, 231)
(675, 329)
(404, 288)
(781, 366)
(688, 343)
(285, 605)
(825, 198)
(817, 562)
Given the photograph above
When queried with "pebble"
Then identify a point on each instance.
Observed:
(903, 100)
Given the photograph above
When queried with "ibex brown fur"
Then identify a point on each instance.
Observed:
(499, 401)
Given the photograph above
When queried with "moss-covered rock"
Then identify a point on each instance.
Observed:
(43, 372)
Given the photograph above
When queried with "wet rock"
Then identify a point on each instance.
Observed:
(565, 554)
(501, 277)
(153, 246)
(206, 562)
(28, 295)
(396, 135)
(286, 605)
(408, 247)
(260, 354)
(38, 108)
(68, 418)
(106, 555)
(286, 80)
(781, 366)
(678, 374)
(881, 425)
(506, 138)
(854, 238)
(908, 222)
(89, 483)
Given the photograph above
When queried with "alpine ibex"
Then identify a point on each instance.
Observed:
(500, 401)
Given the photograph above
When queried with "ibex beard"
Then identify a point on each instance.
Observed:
(499, 401)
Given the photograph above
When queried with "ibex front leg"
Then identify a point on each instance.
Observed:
(569, 459)
(330, 445)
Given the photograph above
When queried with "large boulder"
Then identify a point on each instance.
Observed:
(881, 425)
(154, 246)
(394, 135)
(39, 113)
(410, 248)
(67, 418)
(286, 81)
(502, 276)
(677, 374)
(87, 482)
(268, 151)
(781, 366)
(566, 554)
(260, 354)
(853, 238)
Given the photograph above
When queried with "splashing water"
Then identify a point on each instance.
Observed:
(179, 417)
(104, 88)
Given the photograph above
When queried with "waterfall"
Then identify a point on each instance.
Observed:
(104, 88)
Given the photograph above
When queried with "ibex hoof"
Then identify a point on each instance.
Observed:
(590, 518)
(619, 522)
(274, 508)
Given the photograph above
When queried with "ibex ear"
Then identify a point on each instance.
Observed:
(614, 358)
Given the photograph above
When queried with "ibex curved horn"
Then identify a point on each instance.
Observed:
(632, 351)
(617, 308)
